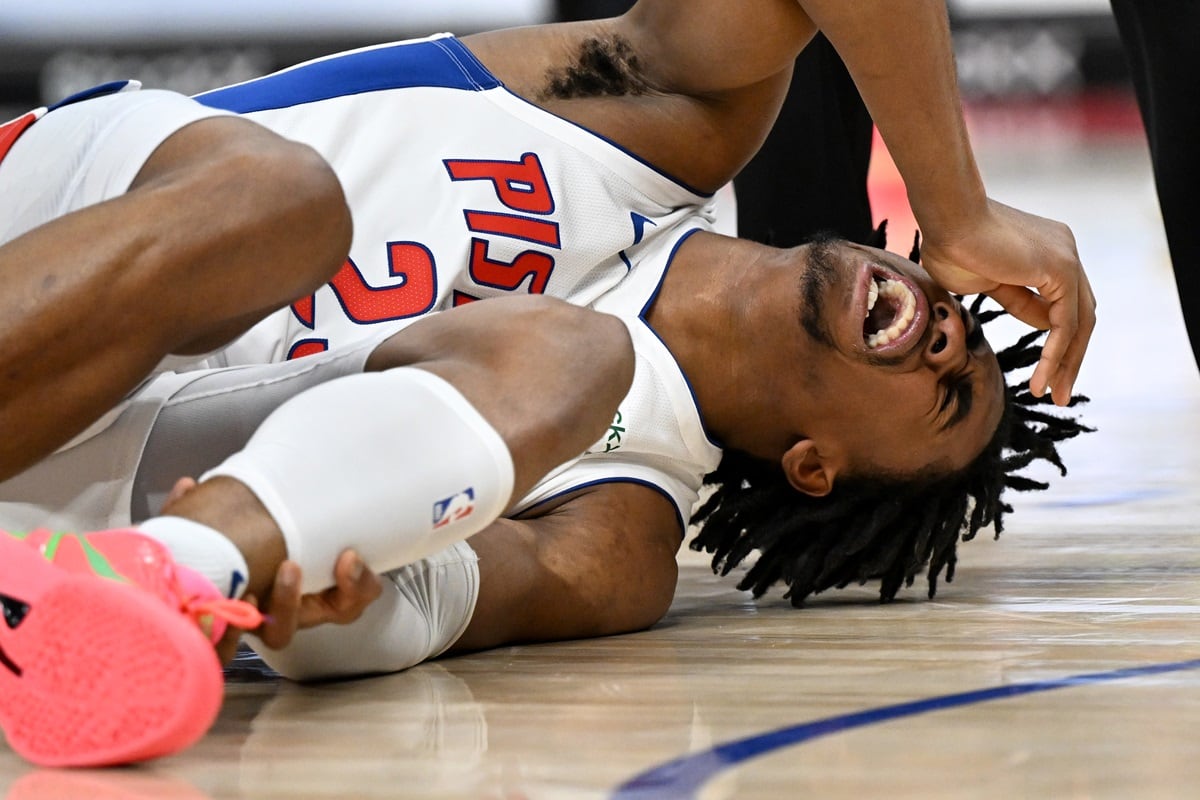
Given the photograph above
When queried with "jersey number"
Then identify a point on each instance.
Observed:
(521, 186)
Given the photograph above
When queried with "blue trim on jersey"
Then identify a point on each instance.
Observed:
(642, 316)
(600, 481)
(443, 63)
(112, 87)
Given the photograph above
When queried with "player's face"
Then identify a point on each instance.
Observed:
(903, 378)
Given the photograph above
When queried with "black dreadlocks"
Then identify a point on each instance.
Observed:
(881, 527)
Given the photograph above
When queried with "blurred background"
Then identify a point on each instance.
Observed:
(51, 48)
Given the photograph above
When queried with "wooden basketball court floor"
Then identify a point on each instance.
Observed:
(1063, 662)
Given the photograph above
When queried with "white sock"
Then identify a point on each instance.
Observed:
(203, 549)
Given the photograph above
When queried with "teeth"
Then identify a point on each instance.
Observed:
(907, 302)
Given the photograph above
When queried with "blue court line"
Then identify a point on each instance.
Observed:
(683, 777)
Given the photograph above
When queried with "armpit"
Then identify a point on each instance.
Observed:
(604, 66)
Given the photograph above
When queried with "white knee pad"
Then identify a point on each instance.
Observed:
(425, 607)
(395, 464)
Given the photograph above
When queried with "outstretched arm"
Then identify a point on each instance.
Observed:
(900, 56)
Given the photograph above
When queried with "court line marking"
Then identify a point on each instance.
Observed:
(683, 777)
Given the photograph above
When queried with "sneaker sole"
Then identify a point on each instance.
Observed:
(98, 672)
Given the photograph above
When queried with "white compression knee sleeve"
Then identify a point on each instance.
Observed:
(395, 464)
(424, 609)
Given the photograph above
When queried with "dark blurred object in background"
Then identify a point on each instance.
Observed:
(1161, 38)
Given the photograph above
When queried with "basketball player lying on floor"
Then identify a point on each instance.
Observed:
(852, 416)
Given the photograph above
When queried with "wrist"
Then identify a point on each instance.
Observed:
(945, 209)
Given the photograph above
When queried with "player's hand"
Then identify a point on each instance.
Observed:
(1030, 266)
(355, 587)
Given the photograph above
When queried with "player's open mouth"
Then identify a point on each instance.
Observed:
(892, 309)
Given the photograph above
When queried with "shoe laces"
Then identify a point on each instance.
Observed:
(214, 616)
(198, 598)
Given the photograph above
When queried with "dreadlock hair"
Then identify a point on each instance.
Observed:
(882, 527)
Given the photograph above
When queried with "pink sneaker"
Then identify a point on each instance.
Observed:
(106, 648)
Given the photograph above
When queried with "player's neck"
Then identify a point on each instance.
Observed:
(724, 310)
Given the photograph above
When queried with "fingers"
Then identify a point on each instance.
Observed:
(1033, 264)
(227, 647)
(1025, 304)
(1071, 320)
(1061, 375)
(283, 607)
(355, 588)
(288, 610)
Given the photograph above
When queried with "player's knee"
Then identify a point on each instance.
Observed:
(611, 350)
(263, 192)
(592, 356)
(311, 206)
(592, 348)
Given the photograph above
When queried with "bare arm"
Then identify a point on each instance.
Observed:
(601, 563)
(702, 80)
(900, 56)
(712, 75)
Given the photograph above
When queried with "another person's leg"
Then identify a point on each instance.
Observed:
(1159, 37)
(810, 175)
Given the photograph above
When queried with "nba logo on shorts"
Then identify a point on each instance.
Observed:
(453, 508)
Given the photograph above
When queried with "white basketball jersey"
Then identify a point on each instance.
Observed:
(461, 190)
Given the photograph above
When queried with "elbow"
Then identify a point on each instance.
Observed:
(658, 596)
(593, 360)
(647, 597)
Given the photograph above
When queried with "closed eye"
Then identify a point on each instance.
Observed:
(972, 327)
(960, 391)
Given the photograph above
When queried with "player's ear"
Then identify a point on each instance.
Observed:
(807, 470)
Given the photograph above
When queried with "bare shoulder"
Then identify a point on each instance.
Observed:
(692, 86)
